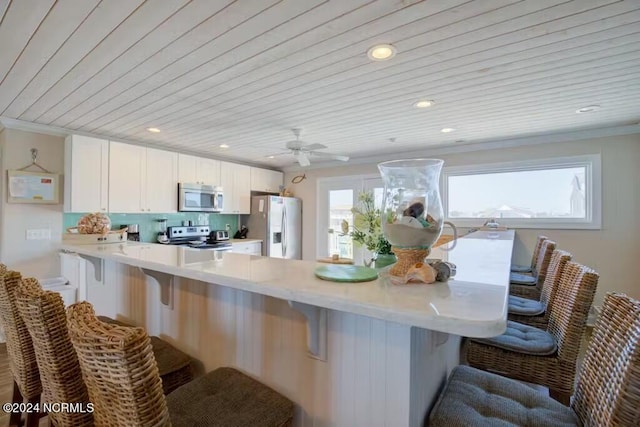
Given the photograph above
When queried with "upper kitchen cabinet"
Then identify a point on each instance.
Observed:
(198, 170)
(86, 183)
(142, 179)
(236, 185)
(266, 180)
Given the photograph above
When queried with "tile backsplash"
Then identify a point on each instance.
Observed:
(149, 225)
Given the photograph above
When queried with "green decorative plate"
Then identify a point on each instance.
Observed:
(345, 273)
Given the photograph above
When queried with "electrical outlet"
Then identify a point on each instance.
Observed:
(38, 234)
(227, 227)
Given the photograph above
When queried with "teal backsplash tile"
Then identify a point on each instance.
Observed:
(149, 225)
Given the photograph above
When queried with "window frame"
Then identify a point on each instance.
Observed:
(593, 191)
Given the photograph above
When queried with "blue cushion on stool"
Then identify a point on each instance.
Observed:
(476, 398)
(523, 339)
(521, 269)
(524, 306)
(522, 279)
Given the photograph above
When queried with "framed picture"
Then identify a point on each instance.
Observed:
(33, 187)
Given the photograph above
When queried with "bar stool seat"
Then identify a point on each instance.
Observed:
(522, 279)
(228, 398)
(522, 339)
(525, 307)
(174, 365)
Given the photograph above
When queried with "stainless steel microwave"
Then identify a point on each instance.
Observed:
(199, 198)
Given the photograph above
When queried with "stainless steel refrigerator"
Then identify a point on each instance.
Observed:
(277, 221)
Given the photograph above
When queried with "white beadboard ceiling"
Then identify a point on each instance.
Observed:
(244, 72)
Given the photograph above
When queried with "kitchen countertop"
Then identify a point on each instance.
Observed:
(473, 304)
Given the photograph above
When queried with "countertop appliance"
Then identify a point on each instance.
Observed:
(133, 232)
(219, 235)
(277, 221)
(196, 237)
(199, 198)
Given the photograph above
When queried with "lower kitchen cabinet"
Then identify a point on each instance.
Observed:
(251, 248)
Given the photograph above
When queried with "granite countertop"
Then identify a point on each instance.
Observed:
(473, 304)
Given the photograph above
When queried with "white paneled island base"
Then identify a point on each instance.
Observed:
(388, 348)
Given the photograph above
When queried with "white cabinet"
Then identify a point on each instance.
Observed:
(236, 185)
(266, 180)
(251, 248)
(161, 181)
(198, 170)
(86, 168)
(142, 179)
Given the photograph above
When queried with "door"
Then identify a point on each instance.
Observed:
(292, 231)
(208, 171)
(161, 181)
(127, 175)
(187, 169)
(89, 175)
(336, 198)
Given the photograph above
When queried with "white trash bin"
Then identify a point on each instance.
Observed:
(62, 286)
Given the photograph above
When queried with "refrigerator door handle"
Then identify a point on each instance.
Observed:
(284, 232)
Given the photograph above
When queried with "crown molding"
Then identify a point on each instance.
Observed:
(480, 145)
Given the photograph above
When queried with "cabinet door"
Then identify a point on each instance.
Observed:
(266, 180)
(252, 248)
(242, 188)
(87, 174)
(208, 171)
(161, 181)
(127, 175)
(187, 168)
(227, 181)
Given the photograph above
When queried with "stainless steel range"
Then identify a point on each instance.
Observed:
(197, 237)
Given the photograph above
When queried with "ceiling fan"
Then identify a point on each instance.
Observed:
(302, 152)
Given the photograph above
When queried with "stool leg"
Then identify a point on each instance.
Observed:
(14, 418)
(33, 418)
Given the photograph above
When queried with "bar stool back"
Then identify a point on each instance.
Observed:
(530, 286)
(528, 269)
(22, 358)
(44, 315)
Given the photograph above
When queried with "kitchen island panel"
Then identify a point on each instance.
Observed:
(366, 379)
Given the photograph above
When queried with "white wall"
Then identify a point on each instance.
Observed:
(613, 251)
(37, 258)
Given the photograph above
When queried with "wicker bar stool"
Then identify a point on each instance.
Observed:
(543, 357)
(174, 365)
(525, 286)
(44, 315)
(607, 391)
(22, 358)
(536, 313)
(528, 269)
(122, 378)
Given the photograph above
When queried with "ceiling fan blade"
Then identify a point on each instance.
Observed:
(312, 147)
(330, 156)
(303, 160)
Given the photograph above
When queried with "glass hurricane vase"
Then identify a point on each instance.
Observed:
(412, 215)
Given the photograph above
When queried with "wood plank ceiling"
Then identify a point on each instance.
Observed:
(244, 72)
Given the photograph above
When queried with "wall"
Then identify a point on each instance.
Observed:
(613, 250)
(31, 257)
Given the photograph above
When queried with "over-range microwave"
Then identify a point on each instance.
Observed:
(199, 198)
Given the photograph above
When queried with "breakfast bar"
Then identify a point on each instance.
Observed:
(353, 354)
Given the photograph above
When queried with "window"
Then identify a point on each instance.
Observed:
(551, 193)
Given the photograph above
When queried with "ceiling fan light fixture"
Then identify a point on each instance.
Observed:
(381, 52)
(426, 103)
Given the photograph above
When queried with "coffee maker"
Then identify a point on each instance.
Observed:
(133, 232)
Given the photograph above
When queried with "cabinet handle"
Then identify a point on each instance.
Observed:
(142, 209)
(148, 209)
(103, 209)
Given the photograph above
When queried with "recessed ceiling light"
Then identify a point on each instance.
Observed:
(153, 130)
(271, 157)
(224, 146)
(447, 130)
(423, 104)
(588, 109)
(381, 52)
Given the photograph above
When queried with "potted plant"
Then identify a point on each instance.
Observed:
(366, 231)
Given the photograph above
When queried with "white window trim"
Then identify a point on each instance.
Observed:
(593, 186)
